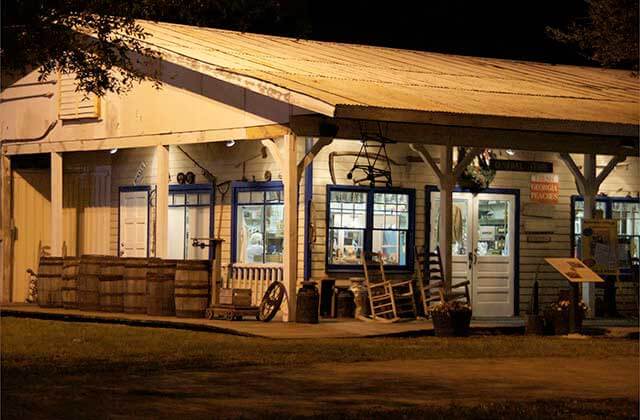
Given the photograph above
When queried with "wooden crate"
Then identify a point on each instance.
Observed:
(239, 297)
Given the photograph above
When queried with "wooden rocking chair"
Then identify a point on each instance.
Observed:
(390, 301)
(433, 290)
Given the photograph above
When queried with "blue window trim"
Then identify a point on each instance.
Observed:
(368, 231)
(608, 214)
(237, 187)
(130, 188)
(516, 252)
(197, 188)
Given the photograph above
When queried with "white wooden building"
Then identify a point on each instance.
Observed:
(91, 173)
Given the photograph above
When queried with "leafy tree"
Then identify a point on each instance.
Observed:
(608, 35)
(53, 35)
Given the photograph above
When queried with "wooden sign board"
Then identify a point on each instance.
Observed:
(574, 270)
(539, 226)
(521, 165)
(538, 210)
(545, 188)
(600, 245)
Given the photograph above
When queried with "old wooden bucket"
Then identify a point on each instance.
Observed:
(111, 285)
(70, 268)
(87, 281)
(50, 282)
(192, 288)
(135, 285)
(160, 287)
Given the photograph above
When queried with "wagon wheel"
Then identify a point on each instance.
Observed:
(271, 301)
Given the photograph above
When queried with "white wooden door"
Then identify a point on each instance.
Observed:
(493, 260)
(134, 216)
(482, 248)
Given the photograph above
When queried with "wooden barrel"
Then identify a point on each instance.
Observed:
(160, 287)
(111, 285)
(135, 285)
(192, 288)
(70, 268)
(50, 282)
(87, 281)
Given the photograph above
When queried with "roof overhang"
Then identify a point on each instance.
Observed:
(458, 134)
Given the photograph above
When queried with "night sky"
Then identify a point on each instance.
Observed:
(507, 29)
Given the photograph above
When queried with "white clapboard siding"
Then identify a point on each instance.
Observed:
(73, 103)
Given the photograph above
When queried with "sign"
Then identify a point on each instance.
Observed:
(487, 233)
(545, 188)
(521, 165)
(574, 270)
(600, 245)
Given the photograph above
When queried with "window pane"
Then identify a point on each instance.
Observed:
(348, 210)
(192, 199)
(257, 196)
(249, 234)
(274, 197)
(204, 198)
(244, 197)
(392, 245)
(274, 233)
(178, 199)
(493, 227)
(345, 246)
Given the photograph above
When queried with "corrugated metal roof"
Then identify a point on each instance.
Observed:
(344, 76)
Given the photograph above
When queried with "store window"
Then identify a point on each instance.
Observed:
(258, 221)
(190, 217)
(362, 219)
(626, 210)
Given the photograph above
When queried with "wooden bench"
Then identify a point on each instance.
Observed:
(256, 277)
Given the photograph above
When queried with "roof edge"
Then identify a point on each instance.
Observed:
(486, 121)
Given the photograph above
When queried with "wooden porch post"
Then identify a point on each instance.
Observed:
(447, 183)
(290, 181)
(162, 201)
(588, 184)
(7, 237)
(56, 204)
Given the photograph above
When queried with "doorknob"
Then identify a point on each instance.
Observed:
(470, 259)
(475, 256)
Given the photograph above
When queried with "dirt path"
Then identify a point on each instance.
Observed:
(324, 387)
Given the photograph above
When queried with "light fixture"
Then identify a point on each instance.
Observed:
(113, 151)
(231, 143)
(510, 152)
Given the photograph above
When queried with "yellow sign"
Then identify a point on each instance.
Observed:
(574, 270)
(600, 245)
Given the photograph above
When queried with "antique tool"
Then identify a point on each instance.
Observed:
(373, 162)
(334, 155)
(223, 189)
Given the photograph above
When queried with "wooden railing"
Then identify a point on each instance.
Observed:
(256, 277)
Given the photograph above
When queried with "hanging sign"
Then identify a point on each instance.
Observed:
(600, 245)
(521, 165)
(545, 188)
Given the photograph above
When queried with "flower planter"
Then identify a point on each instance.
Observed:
(561, 322)
(453, 323)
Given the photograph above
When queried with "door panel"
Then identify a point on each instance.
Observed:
(134, 213)
(176, 233)
(199, 219)
(494, 227)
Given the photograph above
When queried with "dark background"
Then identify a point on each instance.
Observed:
(507, 29)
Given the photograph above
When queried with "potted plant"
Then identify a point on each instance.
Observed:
(558, 314)
(451, 319)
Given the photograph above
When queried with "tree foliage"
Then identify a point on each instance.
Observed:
(608, 35)
(100, 41)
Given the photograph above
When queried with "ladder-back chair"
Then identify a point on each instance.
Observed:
(389, 300)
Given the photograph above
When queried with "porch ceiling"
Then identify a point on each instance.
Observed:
(384, 84)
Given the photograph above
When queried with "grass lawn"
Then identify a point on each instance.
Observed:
(36, 345)
(148, 372)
